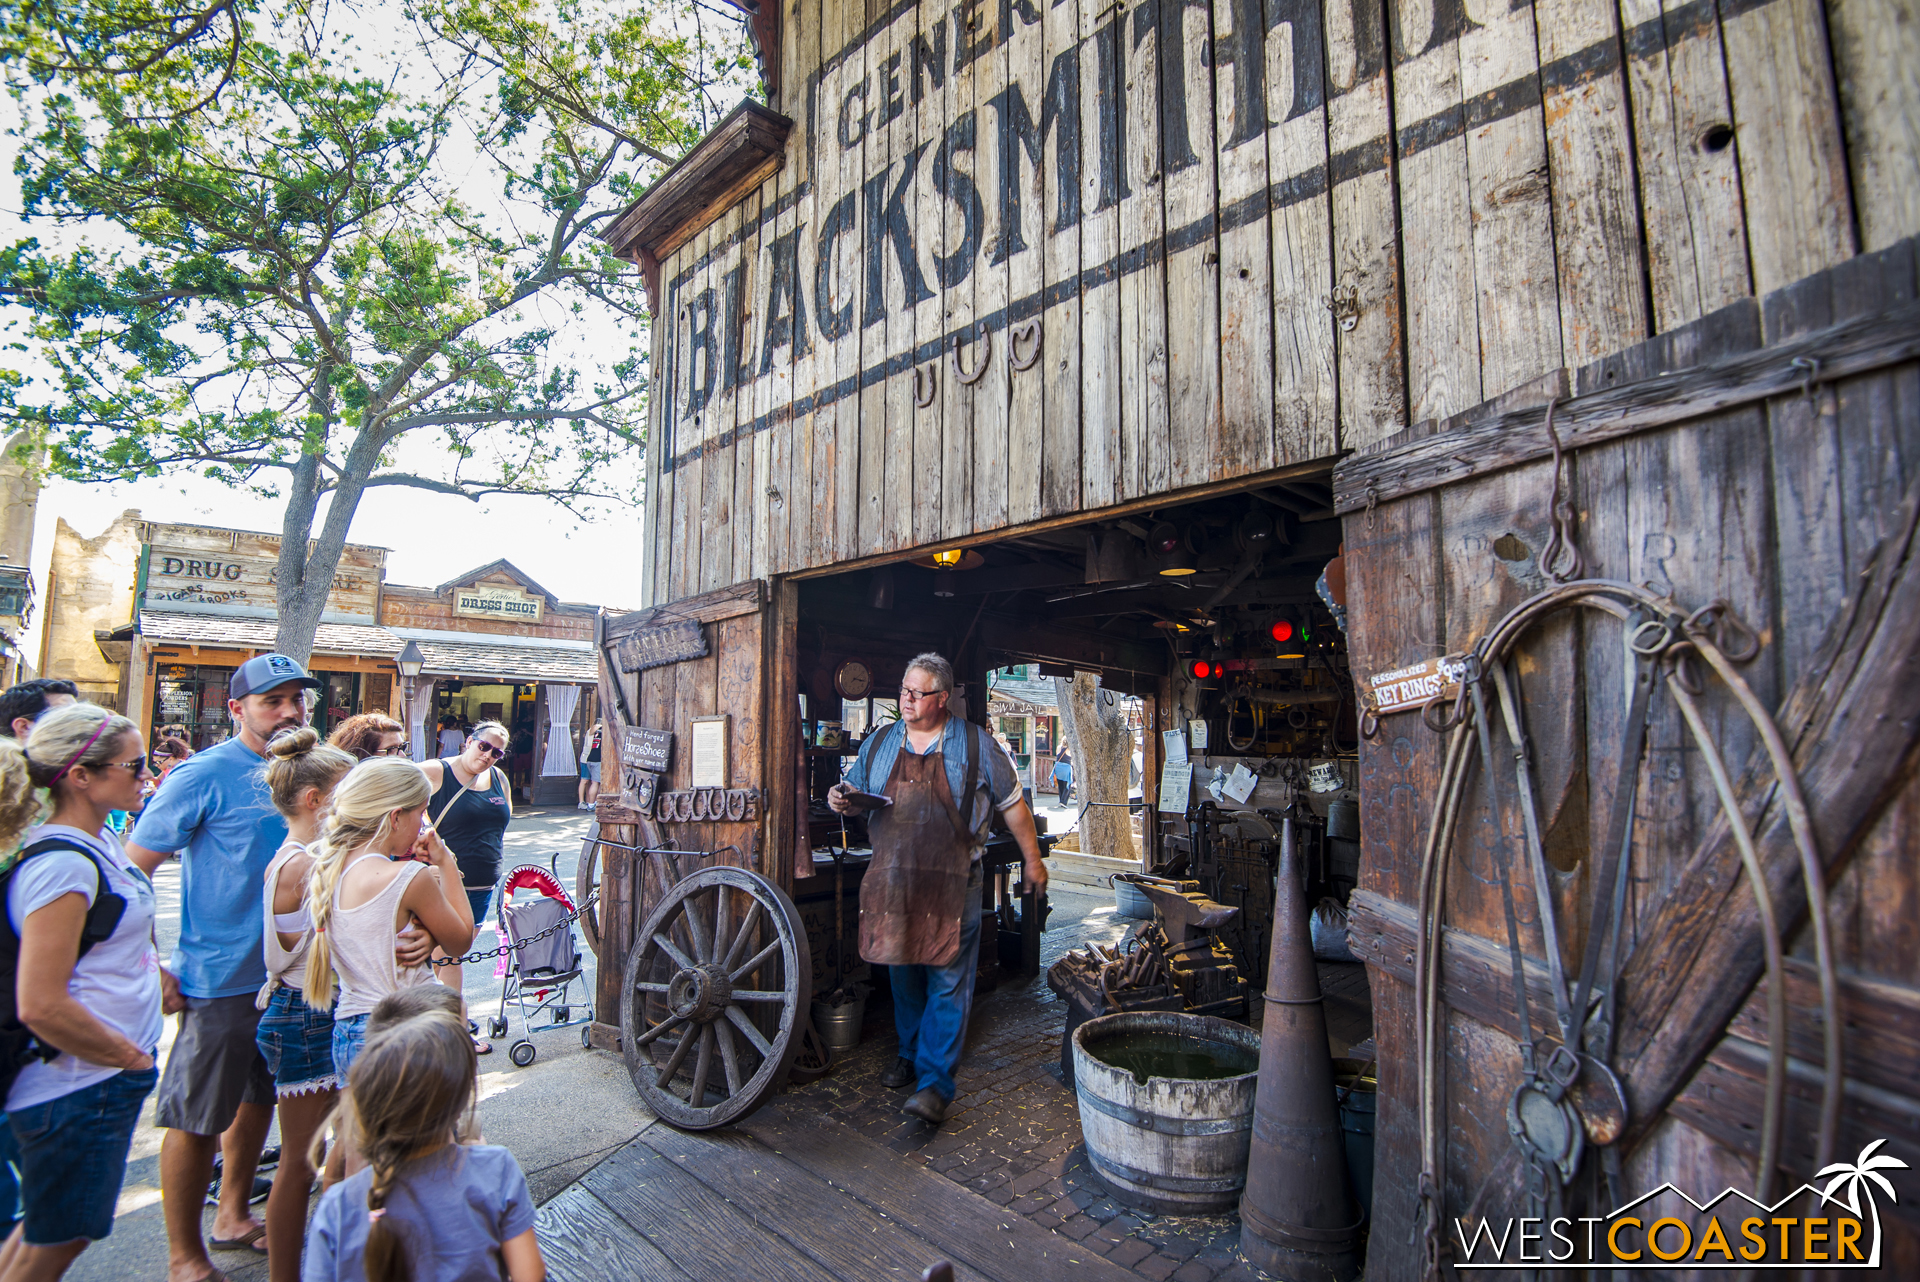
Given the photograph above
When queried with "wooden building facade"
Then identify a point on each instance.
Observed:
(1437, 280)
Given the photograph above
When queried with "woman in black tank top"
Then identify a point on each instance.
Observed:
(473, 822)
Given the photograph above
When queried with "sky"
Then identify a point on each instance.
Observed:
(431, 537)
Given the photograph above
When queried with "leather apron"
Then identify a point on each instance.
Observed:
(915, 890)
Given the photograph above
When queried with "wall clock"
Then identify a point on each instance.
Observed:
(853, 679)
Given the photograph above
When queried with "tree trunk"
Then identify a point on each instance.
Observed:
(1102, 757)
(305, 571)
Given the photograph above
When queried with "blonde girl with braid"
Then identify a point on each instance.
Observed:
(378, 869)
(427, 1207)
(296, 1039)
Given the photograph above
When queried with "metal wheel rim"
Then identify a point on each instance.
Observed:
(700, 999)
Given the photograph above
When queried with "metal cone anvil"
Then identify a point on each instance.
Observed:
(1297, 1219)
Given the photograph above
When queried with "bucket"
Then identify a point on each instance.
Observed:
(839, 1026)
(1357, 1090)
(1129, 902)
(1174, 1143)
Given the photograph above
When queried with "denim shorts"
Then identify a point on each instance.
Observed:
(478, 901)
(297, 1041)
(73, 1157)
(349, 1036)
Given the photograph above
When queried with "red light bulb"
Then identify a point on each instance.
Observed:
(1202, 669)
(1282, 630)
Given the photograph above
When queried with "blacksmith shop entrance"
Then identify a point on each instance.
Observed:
(1192, 658)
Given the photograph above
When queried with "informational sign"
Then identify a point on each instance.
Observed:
(494, 602)
(1197, 733)
(649, 750)
(710, 751)
(1176, 741)
(1239, 784)
(1413, 685)
(1176, 786)
(1324, 776)
(656, 647)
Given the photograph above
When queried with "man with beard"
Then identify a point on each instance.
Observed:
(217, 1091)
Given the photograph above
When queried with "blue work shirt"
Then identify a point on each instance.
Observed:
(997, 787)
(215, 810)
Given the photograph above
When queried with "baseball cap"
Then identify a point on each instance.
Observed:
(263, 672)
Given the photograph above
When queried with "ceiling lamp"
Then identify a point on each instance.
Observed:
(1254, 533)
(950, 558)
(1176, 551)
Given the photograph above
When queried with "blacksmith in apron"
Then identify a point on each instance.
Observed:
(920, 899)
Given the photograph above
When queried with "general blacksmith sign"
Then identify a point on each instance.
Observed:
(971, 169)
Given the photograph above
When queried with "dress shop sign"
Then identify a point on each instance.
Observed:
(956, 157)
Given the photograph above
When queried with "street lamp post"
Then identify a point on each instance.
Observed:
(410, 662)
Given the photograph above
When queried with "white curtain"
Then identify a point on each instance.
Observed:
(417, 710)
(561, 701)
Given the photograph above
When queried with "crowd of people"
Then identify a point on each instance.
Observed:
(326, 889)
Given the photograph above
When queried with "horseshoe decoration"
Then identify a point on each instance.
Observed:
(709, 805)
(925, 381)
(1027, 333)
(986, 356)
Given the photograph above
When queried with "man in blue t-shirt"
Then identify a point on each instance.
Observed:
(217, 1092)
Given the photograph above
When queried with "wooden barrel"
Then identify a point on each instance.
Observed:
(1172, 1144)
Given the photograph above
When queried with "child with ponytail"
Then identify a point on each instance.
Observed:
(295, 1038)
(377, 867)
(426, 1207)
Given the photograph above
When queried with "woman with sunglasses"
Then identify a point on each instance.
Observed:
(370, 735)
(87, 983)
(471, 807)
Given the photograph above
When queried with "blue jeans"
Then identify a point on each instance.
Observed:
(73, 1157)
(349, 1036)
(478, 901)
(9, 1179)
(931, 1003)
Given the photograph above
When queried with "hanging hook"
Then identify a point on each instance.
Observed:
(925, 381)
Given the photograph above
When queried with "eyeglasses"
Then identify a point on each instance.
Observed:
(486, 747)
(138, 765)
(908, 692)
(397, 750)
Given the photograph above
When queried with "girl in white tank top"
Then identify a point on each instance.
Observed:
(377, 869)
(295, 1038)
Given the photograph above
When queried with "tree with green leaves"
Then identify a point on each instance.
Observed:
(317, 252)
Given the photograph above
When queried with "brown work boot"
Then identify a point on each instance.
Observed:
(928, 1105)
(899, 1075)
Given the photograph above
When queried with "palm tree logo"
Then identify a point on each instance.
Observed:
(1855, 1176)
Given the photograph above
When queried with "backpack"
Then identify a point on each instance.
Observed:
(18, 1046)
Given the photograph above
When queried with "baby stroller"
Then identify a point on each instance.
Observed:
(539, 977)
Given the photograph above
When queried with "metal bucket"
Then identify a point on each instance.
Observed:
(1356, 1091)
(839, 1026)
(1175, 1145)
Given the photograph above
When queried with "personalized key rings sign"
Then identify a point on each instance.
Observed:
(1023, 353)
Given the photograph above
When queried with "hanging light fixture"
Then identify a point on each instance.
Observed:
(1176, 554)
(950, 558)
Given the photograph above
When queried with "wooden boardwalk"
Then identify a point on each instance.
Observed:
(787, 1196)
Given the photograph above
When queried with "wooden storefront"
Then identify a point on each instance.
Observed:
(1023, 280)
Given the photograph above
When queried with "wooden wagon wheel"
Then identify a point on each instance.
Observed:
(694, 983)
(586, 885)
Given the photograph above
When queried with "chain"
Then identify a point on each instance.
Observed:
(486, 954)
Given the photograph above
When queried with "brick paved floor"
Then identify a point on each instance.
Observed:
(1013, 1135)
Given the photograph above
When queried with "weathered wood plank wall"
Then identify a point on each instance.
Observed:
(1776, 506)
(1251, 234)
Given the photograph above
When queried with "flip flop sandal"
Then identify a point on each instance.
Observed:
(481, 1046)
(248, 1241)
